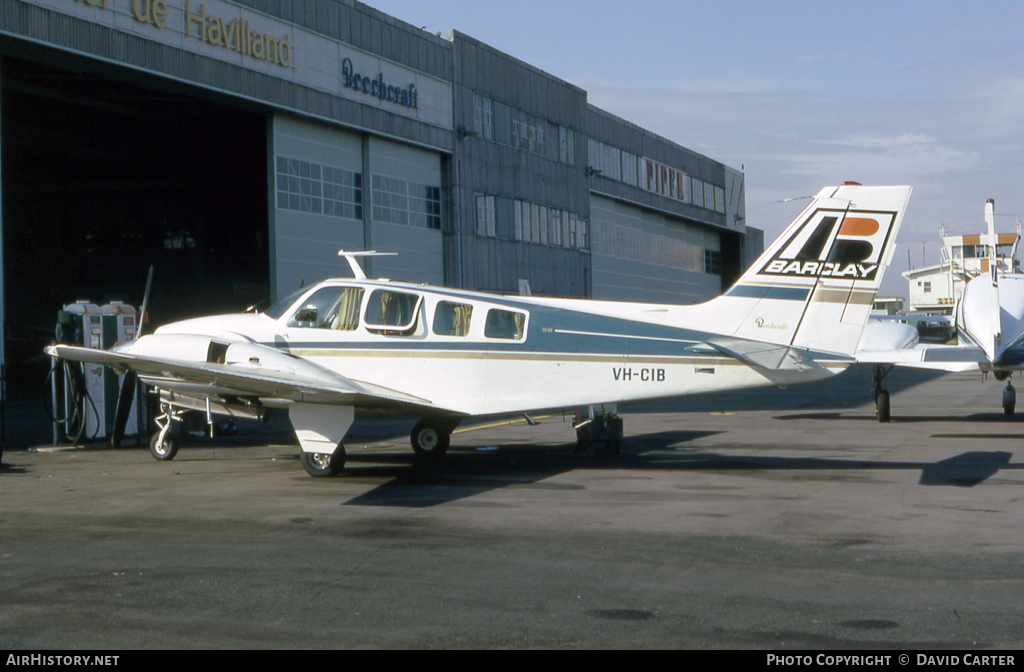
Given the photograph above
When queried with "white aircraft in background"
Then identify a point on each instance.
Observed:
(444, 355)
(989, 320)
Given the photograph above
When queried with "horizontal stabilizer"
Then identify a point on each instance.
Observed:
(764, 355)
(952, 358)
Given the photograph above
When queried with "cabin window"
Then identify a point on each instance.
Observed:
(452, 319)
(330, 308)
(504, 324)
(392, 312)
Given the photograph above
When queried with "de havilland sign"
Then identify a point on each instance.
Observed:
(250, 39)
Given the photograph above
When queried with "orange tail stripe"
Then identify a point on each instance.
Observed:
(858, 226)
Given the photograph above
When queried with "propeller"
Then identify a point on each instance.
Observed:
(128, 383)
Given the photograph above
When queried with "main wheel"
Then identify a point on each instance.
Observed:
(1009, 399)
(324, 464)
(163, 446)
(430, 439)
(882, 406)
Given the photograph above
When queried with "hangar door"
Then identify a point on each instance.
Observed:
(105, 172)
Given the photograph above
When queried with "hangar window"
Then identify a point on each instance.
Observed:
(630, 173)
(567, 145)
(531, 222)
(400, 202)
(548, 226)
(486, 221)
(528, 132)
(452, 319)
(576, 235)
(557, 227)
(310, 187)
(624, 242)
(483, 116)
(713, 262)
(505, 324)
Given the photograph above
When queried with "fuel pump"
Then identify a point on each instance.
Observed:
(73, 385)
(84, 398)
(117, 324)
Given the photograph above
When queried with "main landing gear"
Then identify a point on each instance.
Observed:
(881, 396)
(324, 464)
(431, 437)
(1009, 398)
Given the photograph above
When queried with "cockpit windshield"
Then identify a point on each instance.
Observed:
(281, 307)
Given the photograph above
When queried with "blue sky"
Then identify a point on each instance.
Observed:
(799, 95)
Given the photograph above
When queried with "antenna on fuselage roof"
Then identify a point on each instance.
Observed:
(350, 257)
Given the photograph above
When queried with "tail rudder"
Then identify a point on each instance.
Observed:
(993, 347)
(815, 285)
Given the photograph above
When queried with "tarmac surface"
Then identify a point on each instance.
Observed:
(768, 519)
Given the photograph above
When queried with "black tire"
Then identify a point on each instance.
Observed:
(1009, 400)
(163, 451)
(324, 464)
(430, 439)
(882, 406)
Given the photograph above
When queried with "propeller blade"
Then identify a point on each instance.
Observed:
(145, 302)
(125, 399)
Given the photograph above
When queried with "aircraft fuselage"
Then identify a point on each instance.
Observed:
(468, 353)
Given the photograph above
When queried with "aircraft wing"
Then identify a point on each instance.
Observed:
(275, 375)
(953, 358)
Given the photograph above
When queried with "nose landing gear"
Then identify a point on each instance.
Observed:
(163, 445)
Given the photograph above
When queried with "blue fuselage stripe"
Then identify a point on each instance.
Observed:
(551, 331)
(768, 292)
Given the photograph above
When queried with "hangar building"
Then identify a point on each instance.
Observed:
(236, 146)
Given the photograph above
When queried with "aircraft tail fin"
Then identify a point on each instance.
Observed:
(814, 287)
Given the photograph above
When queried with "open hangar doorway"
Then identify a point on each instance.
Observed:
(106, 171)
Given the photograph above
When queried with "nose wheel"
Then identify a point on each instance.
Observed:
(163, 445)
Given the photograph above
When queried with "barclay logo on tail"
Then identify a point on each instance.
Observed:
(834, 244)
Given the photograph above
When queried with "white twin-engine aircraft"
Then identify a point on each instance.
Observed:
(444, 355)
(989, 319)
